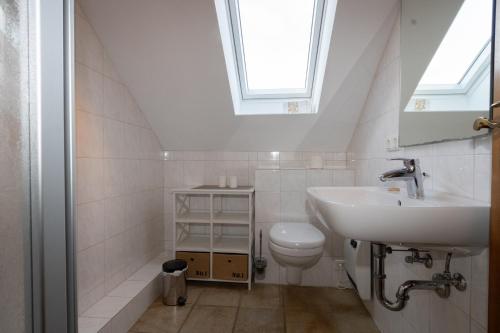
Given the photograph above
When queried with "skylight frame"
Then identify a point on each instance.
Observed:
(475, 71)
(280, 94)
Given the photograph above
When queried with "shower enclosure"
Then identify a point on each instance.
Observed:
(36, 166)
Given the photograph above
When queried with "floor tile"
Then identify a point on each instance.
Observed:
(354, 322)
(223, 308)
(193, 292)
(301, 321)
(220, 296)
(161, 319)
(210, 319)
(330, 298)
(259, 320)
(262, 296)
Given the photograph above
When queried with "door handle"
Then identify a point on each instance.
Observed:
(482, 122)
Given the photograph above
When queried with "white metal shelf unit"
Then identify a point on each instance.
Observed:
(213, 220)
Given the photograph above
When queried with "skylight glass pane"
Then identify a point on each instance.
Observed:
(276, 37)
(462, 44)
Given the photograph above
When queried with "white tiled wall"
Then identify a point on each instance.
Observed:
(459, 167)
(280, 179)
(119, 175)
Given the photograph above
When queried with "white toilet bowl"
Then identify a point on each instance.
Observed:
(296, 246)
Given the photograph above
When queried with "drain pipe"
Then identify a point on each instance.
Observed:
(440, 283)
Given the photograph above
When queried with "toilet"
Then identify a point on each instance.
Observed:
(296, 246)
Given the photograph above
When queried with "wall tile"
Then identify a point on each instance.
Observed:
(476, 328)
(90, 224)
(90, 268)
(114, 177)
(194, 173)
(290, 156)
(114, 215)
(238, 169)
(88, 86)
(88, 49)
(89, 180)
(174, 174)
(85, 301)
(267, 207)
(321, 274)
(454, 174)
(89, 135)
(267, 180)
(293, 207)
(479, 306)
(482, 145)
(119, 176)
(479, 271)
(114, 139)
(320, 177)
(268, 156)
(214, 169)
(463, 147)
(446, 317)
(271, 165)
(113, 99)
(293, 180)
(235, 156)
(292, 165)
(482, 177)
(343, 177)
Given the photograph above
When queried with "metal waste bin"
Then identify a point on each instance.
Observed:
(174, 282)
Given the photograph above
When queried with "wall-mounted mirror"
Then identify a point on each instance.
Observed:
(445, 68)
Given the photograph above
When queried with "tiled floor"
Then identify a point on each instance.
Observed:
(267, 308)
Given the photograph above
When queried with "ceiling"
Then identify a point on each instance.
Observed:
(169, 54)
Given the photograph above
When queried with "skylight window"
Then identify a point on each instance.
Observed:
(275, 53)
(276, 40)
(452, 61)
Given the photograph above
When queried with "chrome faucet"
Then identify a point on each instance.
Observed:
(411, 174)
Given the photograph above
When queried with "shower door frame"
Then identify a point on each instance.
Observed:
(52, 154)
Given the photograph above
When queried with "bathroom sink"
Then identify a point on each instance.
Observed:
(377, 215)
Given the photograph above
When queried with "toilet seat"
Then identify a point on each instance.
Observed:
(291, 252)
(296, 236)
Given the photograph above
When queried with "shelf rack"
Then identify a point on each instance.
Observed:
(199, 228)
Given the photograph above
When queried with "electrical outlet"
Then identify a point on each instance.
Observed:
(340, 265)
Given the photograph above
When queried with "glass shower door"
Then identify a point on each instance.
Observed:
(15, 259)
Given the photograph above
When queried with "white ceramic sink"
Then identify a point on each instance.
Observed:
(376, 215)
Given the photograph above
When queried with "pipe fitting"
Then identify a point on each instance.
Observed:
(440, 283)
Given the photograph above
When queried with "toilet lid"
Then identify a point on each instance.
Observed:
(296, 235)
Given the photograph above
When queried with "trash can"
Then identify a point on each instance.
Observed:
(174, 282)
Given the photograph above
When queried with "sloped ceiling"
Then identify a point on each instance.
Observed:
(169, 53)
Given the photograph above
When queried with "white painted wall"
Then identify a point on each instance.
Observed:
(169, 54)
